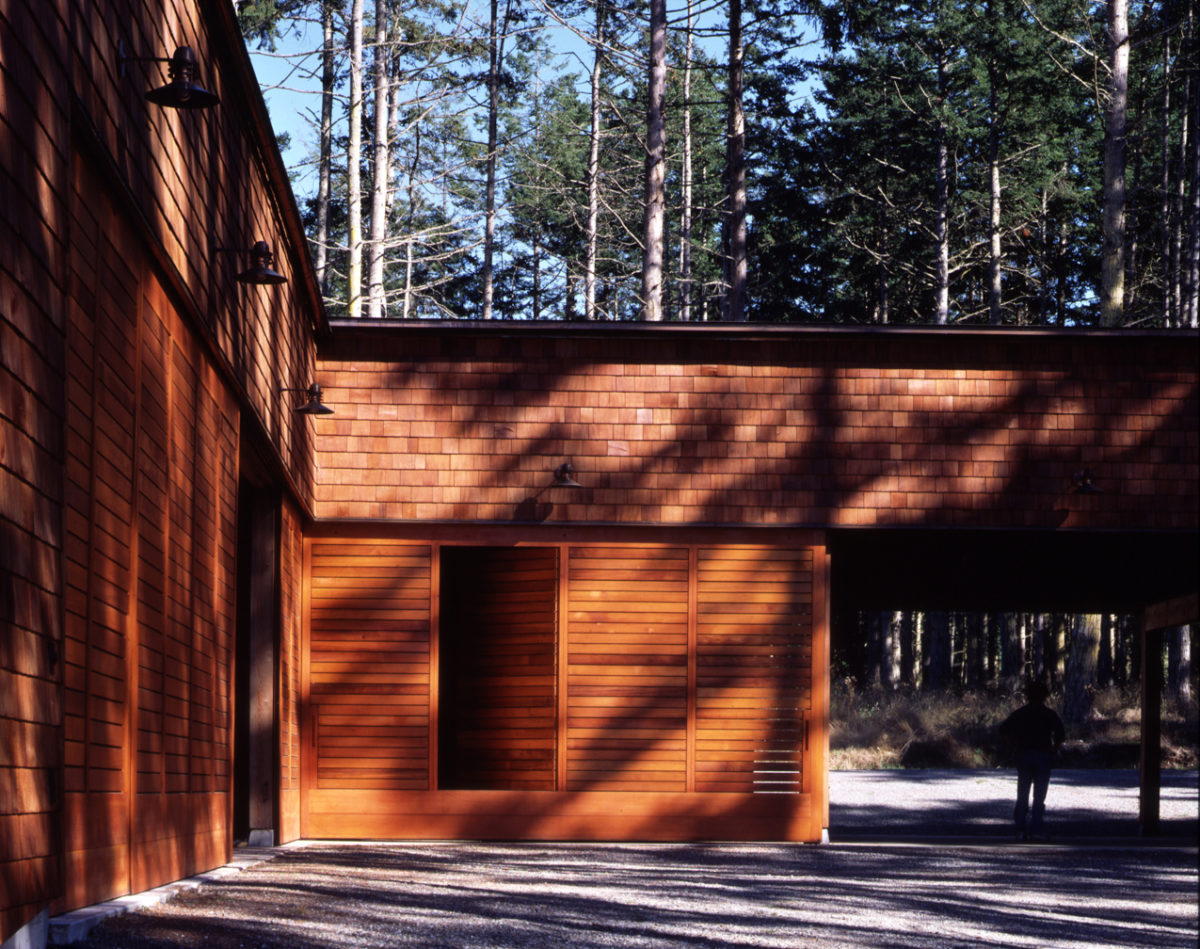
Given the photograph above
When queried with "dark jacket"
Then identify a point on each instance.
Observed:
(1033, 728)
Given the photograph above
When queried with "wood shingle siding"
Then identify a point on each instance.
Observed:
(835, 427)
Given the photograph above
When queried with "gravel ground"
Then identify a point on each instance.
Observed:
(1076, 892)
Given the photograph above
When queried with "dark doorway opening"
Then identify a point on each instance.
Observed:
(497, 684)
(241, 684)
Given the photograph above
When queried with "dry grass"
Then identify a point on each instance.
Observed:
(871, 729)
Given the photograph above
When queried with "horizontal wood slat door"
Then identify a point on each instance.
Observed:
(627, 669)
(753, 668)
(368, 664)
(497, 722)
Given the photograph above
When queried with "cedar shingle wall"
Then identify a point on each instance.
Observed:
(32, 408)
(120, 436)
(197, 179)
(150, 561)
(807, 428)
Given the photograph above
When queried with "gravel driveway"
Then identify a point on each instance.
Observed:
(1085, 892)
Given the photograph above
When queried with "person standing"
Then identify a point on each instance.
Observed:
(1035, 733)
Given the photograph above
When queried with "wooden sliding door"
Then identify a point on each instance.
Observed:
(571, 691)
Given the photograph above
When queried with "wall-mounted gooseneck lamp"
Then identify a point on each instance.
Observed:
(1082, 483)
(564, 476)
(314, 405)
(262, 264)
(182, 92)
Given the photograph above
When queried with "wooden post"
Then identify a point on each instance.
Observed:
(1150, 764)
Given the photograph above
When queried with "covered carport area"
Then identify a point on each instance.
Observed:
(1147, 574)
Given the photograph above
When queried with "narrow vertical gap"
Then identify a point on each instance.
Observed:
(692, 646)
(435, 662)
(562, 643)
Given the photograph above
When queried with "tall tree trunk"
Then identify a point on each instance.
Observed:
(685, 223)
(410, 236)
(893, 649)
(975, 639)
(354, 164)
(736, 169)
(995, 260)
(1170, 313)
(495, 62)
(1179, 662)
(1081, 668)
(1112, 261)
(1012, 650)
(937, 626)
(325, 159)
(909, 657)
(942, 204)
(1192, 303)
(380, 168)
(656, 162)
(1178, 213)
(593, 169)
(1104, 656)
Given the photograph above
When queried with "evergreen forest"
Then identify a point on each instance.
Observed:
(1015, 162)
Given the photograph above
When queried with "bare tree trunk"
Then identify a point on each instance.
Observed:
(495, 61)
(937, 625)
(736, 170)
(1104, 656)
(893, 649)
(1112, 261)
(410, 236)
(380, 168)
(325, 160)
(1170, 313)
(593, 170)
(1081, 668)
(1179, 662)
(976, 637)
(685, 224)
(1192, 303)
(908, 649)
(995, 260)
(942, 201)
(656, 162)
(1012, 650)
(354, 164)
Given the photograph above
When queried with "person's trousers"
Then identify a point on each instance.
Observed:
(1033, 773)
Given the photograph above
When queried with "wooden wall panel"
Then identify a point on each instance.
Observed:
(291, 569)
(34, 224)
(369, 664)
(684, 689)
(150, 553)
(753, 669)
(627, 669)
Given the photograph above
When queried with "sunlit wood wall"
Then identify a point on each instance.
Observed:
(842, 427)
(134, 370)
(593, 688)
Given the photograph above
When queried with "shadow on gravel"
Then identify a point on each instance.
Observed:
(708, 897)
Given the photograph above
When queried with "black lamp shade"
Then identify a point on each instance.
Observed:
(183, 92)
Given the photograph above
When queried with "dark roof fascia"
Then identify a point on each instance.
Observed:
(236, 57)
(348, 330)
